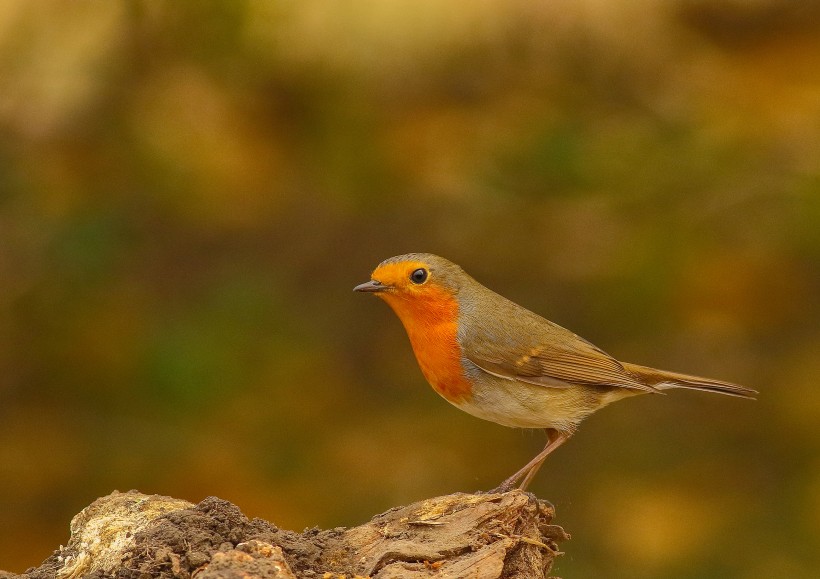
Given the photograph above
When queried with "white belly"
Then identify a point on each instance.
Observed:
(521, 405)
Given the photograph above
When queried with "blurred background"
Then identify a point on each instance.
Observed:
(189, 192)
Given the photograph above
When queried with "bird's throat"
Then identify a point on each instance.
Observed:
(431, 323)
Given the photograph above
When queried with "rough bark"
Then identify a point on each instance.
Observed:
(136, 536)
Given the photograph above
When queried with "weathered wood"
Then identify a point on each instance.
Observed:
(136, 536)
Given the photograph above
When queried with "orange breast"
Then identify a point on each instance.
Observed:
(431, 322)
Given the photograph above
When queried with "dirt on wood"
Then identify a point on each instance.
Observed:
(136, 536)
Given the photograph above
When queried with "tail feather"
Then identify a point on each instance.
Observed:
(663, 380)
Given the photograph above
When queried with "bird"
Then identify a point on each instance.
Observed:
(498, 361)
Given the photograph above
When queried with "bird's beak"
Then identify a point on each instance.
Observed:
(371, 286)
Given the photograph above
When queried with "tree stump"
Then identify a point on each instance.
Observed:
(136, 536)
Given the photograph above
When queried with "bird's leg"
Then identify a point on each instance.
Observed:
(555, 439)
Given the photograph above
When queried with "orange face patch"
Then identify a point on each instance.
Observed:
(429, 313)
(397, 276)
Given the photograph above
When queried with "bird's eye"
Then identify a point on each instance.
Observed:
(419, 276)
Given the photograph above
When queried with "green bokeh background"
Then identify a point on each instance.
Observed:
(190, 190)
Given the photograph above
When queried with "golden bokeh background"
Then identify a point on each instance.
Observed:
(190, 190)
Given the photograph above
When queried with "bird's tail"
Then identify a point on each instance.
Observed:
(663, 380)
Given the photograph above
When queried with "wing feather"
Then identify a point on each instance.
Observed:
(549, 356)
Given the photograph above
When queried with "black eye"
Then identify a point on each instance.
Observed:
(419, 276)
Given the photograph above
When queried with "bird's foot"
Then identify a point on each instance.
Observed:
(504, 487)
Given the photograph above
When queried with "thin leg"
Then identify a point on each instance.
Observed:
(552, 444)
(555, 439)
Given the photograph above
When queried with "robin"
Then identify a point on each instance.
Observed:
(501, 362)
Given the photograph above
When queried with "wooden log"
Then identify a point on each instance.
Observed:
(136, 536)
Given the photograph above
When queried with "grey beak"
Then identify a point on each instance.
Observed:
(371, 286)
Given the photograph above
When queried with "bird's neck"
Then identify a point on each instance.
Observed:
(431, 323)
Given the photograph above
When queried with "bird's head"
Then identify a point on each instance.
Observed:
(414, 276)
